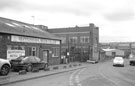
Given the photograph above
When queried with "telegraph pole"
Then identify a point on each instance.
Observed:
(33, 19)
(130, 47)
(68, 52)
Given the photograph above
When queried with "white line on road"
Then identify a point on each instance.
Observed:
(74, 78)
(71, 78)
(99, 70)
(77, 78)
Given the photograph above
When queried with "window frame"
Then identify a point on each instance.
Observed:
(83, 39)
(73, 39)
(55, 52)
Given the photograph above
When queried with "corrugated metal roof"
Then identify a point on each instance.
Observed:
(19, 28)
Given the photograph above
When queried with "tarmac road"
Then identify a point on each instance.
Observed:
(100, 74)
(107, 75)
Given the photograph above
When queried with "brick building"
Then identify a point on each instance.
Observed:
(80, 43)
(18, 38)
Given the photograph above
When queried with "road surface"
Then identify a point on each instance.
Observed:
(100, 74)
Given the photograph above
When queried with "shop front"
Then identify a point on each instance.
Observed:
(23, 39)
(47, 50)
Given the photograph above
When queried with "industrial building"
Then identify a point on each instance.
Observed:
(19, 38)
(79, 43)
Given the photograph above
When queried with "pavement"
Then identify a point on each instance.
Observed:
(14, 77)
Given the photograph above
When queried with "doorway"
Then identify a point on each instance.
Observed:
(45, 55)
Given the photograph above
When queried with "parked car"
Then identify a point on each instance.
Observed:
(28, 63)
(4, 66)
(118, 61)
(131, 59)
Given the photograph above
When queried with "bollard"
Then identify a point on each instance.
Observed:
(55, 68)
(47, 69)
(22, 72)
(80, 64)
(75, 65)
(64, 66)
(70, 65)
(35, 70)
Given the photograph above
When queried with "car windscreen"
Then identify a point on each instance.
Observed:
(118, 58)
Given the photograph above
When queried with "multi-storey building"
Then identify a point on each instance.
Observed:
(80, 43)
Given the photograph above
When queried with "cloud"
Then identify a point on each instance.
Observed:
(10, 4)
(120, 15)
(115, 38)
(74, 7)
(63, 9)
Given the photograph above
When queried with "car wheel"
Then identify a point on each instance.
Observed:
(131, 64)
(45, 66)
(29, 68)
(5, 70)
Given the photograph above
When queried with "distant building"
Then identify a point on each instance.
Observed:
(114, 52)
(81, 43)
(127, 47)
(18, 38)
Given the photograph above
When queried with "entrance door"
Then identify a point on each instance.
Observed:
(45, 55)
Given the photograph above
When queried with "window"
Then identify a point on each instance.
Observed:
(11, 47)
(31, 51)
(56, 52)
(73, 40)
(84, 39)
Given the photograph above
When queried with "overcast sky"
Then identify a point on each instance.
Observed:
(115, 18)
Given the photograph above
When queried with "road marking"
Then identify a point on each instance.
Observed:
(77, 77)
(74, 78)
(113, 82)
(79, 84)
(71, 78)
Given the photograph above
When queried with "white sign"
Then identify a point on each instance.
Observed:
(33, 40)
(68, 53)
(13, 54)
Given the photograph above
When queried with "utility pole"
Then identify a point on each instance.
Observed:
(68, 51)
(130, 47)
(33, 19)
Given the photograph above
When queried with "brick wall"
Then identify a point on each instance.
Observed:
(5, 40)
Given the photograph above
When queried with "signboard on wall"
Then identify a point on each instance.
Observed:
(13, 54)
(33, 40)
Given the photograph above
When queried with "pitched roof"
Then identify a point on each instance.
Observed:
(20, 28)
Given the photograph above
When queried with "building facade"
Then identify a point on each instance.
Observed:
(79, 43)
(18, 38)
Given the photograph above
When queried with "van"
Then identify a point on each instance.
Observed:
(131, 59)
